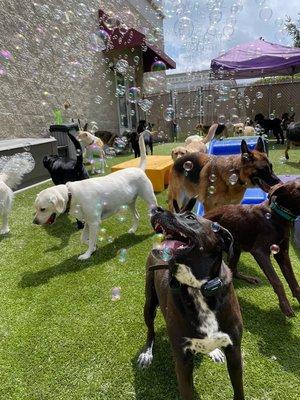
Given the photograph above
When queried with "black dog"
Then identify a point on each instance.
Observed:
(63, 170)
(195, 294)
(273, 125)
(134, 138)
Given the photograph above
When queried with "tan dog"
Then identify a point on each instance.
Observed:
(217, 180)
(92, 144)
(195, 143)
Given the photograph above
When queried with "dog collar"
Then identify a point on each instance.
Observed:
(283, 212)
(69, 202)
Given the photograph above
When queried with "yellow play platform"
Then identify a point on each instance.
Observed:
(157, 169)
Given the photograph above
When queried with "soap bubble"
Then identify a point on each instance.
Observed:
(282, 160)
(232, 93)
(272, 116)
(234, 119)
(169, 114)
(188, 166)
(145, 104)
(228, 30)
(136, 59)
(233, 179)
(133, 94)
(122, 213)
(215, 226)
(27, 146)
(211, 190)
(266, 13)
(259, 95)
(120, 91)
(158, 66)
(279, 95)
(212, 178)
(267, 215)
(102, 234)
(110, 239)
(98, 41)
(165, 254)
(275, 249)
(210, 98)
(221, 119)
(215, 15)
(5, 55)
(116, 294)
(184, 28)
(157, 240)
(98, 99)
(122, 255)
(122, 66)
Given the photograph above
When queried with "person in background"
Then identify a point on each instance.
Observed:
(175, 130)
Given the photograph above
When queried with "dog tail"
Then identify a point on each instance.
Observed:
(142, 145)
(13, 168)
(210, 134)
(79, 156)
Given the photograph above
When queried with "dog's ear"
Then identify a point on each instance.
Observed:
(176, 206)
(85, 126)
(58, 203)
(227, 240)
(260, 146)
(190, 205)
(244, 147)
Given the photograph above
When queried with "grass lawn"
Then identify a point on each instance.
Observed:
(63, 338)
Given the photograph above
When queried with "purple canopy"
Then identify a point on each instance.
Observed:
(258, 58)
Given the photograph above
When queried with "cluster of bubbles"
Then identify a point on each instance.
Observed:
(274, 249)
(16, 166)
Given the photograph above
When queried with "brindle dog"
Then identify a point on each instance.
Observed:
(195, 294)
(256, 228)
(219, 180)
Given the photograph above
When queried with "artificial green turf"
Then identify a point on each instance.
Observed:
(63, 338)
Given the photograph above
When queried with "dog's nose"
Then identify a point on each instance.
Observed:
(35, 221)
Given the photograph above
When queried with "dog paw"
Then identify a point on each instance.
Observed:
(4, 231)
(84, 256)
(217, 356)
(145, 359)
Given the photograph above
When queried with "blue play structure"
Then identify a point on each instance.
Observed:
(232, 146)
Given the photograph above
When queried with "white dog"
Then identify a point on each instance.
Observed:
(12, 170)
(95, 199)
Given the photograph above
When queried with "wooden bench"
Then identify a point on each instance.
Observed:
(157, 169)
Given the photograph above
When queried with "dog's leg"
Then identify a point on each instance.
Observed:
(283, 260)
(135, 217)
(93, 230)
(184, 370)
(85, 234)
(235, 370)
(146, 356)
(5, 227)
(263, 260)
(288, 146)
(233, 265)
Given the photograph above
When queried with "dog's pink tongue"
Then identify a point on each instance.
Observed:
(172, 244)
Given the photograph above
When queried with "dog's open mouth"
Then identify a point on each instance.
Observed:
(174, 241)
(51, 219)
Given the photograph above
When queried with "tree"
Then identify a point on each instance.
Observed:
(293, 30)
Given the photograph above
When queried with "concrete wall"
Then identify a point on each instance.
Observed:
(51, 63)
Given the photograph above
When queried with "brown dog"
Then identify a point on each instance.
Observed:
(178, 152)
(217, 180)
(194, 291)
(262, 229)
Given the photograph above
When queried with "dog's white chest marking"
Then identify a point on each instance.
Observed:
(208, 324)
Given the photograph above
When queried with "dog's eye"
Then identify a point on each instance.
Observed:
(190, 216)
(43, 209)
